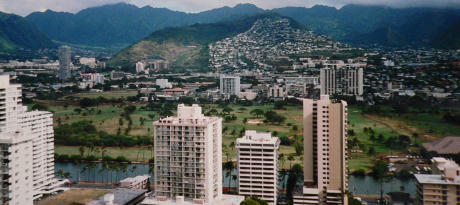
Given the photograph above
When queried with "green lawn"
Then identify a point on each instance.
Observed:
(74, 196)
(391, 125)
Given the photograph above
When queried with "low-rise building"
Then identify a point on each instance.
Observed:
(138, 182)
(440, 187)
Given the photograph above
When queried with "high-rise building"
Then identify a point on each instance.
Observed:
(258, 165)
(16, 167)
(347, 80)
(65, 71)
(325, 152)
(229, 85)
(15, 120)
(188, 156)
(440, 187)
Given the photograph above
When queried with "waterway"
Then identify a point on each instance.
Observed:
(98, 173)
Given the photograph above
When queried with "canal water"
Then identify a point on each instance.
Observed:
(98, 173)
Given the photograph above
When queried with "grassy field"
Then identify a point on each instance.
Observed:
(106, 118)
(74, 196)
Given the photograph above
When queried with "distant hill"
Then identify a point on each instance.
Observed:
(448, 38)
(121, 24)
(184, 46)
(366, 25)
(17, 34)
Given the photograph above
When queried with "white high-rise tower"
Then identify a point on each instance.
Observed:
(18, 127)
(188, 156)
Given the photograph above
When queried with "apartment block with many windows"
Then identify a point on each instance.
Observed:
(258, 165)
(440, 187)
(188, 156)
(14, 118)
(325, 154)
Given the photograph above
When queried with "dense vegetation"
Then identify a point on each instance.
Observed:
(83, 133)
(16, 34)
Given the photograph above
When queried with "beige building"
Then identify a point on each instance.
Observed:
(441, 187)
(258, 165)
(188, 157)
(325, 154)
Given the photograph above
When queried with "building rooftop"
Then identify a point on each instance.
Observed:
(446, 145)
(138, 178)
(120, 196)
(435, 179)
(252, 136)
(224, 200)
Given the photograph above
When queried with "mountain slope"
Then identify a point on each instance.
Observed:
(365, 25)
(183, 46)
(122, 24)
(448, 38)
(16, 33)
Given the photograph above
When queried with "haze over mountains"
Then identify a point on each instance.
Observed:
(119, 25)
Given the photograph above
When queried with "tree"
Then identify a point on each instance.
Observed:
(371, 151)
(281, 159)
(298, 146)
(227, 110)
(291, 159)
(295, 175)
(257, 112)
(82, 151)
(254, 200)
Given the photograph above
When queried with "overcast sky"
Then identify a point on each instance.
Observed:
(24, 7)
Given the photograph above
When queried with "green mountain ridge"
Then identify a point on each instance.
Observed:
(17, 34)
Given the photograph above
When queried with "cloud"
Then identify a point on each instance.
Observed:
(24, 7)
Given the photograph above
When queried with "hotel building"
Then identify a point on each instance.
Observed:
(440, 187)
(188, 157)
(325, 154)
(258, 165)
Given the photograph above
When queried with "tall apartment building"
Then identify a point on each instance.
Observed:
(38, 125)
(440, 187)
(346, 80)
(325, 154)
(229, 85)
(16, 167)
(188, 156)
(258, 165)
(65, 71)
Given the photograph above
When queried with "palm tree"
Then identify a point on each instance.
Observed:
(60, 173)
(281, 158)
(235, 177)
(290, 158)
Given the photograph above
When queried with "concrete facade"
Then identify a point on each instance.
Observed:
(325, 154)
(65, 71)
(230, 85)
(38, 125)
(258, 165)
(188, 156)
(440, 187)
(343, 81)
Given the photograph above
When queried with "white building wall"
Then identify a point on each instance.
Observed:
(188, 150)
(16, 166)
(258, 165)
